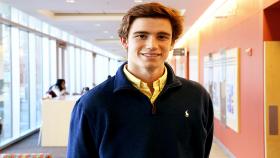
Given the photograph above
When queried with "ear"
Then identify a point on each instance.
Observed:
(124, 43)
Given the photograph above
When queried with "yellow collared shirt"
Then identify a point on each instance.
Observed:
(143, 87)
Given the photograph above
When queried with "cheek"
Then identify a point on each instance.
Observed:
(165, 49)
(134, 48)
(131, 51)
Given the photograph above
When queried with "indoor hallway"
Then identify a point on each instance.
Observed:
(29, 145)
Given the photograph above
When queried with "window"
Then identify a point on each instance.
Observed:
(24, 81)
(60, 52)
(39, 77)
(5, 84)
(101, 74)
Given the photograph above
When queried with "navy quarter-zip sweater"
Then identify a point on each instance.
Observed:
(115, 120)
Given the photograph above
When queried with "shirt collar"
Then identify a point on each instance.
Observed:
(121, 82)
(140, 84)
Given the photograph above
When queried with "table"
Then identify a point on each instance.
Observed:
(56, 115)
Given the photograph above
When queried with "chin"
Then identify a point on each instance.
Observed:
(152, 66)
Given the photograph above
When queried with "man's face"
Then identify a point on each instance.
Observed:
(148, 43)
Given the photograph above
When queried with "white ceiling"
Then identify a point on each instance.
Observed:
(100, 32)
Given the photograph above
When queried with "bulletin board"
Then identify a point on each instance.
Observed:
(221, 79)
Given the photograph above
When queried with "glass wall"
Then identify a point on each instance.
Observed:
(30, 62)
(83, 68)
(52, 61)
(77, 63)
(105, 67)
(88, 69)
(46, 63)
(24, 81)
(39, 76)
(113, 66)
(70, 69)
(5, 83)
(102, 68)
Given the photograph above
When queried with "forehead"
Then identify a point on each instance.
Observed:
(151, 25)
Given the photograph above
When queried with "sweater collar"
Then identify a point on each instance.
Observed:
(122, 83)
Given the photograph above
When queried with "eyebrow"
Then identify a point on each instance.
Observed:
(145, 32)
(141, 32)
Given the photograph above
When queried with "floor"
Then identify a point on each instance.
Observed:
(30, 145)
(217, 151)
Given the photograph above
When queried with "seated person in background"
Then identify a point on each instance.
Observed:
(58, 89)
(84, 90)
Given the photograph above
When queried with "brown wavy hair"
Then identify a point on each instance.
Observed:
(152, 10)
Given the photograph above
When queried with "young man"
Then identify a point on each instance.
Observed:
(144, 111)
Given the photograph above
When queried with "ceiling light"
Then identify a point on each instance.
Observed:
(208, 14)
(138, 1)
(227, 9)
(107, 41)
(106, 31)
(182, 12)
(87, 16)
(70, 1)
(97, 25)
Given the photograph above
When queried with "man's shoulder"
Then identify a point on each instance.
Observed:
(190, 84)
(193, 89)
(103, 88)
(99, 92)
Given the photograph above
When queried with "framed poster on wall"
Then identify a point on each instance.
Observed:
(212, 78)
(208, 71)
(221, 79)
(232, 88)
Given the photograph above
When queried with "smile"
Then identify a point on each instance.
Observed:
(150, 54)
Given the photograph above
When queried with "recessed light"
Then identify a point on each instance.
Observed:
(111, 37)
(182, 11)
(106, 31)
(70, 1)
(97, 25)
(138, 1)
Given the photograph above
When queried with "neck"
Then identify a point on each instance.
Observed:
(146, 75)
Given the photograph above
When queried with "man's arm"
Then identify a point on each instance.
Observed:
(81, 143)
(209, 127)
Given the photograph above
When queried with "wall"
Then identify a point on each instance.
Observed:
(243, 30)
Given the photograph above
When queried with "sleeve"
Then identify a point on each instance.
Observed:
(55, 91)
(81, 141)
(209, 126)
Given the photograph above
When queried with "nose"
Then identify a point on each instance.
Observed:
(152, 43)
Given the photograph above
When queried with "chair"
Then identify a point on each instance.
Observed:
(26, 155)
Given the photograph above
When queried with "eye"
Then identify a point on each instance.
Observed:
(141, 36)
(163, 37)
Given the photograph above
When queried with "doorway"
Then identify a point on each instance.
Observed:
(271, 80)
(272, 98)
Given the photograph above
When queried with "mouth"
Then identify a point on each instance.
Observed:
(150, 54)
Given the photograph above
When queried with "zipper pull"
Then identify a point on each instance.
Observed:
(154, 109)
